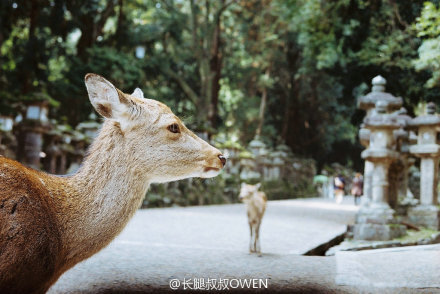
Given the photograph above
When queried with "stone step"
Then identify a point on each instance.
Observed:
(410, 267)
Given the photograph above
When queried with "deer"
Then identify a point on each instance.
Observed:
(256, 202)
(49, 223)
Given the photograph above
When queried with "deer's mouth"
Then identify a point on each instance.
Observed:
(209, 172)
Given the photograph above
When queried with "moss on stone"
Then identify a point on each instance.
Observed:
(414, 236)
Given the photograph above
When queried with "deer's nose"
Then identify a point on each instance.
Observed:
(222, 159)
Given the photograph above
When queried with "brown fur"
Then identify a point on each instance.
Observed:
(255, 207)
(50, 223)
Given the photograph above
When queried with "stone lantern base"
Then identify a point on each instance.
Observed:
(376, 222)
(425, 215)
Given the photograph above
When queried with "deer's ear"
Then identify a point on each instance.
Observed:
(106, 99)
(138, 93)
(257, 186)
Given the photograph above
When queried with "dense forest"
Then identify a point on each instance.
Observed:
(287, 70)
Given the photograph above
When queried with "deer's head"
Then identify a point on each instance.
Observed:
(152, 136)
(248, 191)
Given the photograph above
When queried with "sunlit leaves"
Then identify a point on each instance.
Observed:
(428, 27)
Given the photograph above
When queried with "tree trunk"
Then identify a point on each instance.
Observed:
(262, 107)
(33, 17)
(216, 68)
(293, 58)
(121, 25)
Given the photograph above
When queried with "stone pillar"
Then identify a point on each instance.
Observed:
(376, 219)
(368, 103)
(31, 145)
(428, 180)
(31, 130)
(380, 182)
(427, 214)
(364, 136)
(277, 165)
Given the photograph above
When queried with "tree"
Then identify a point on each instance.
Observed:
(428, 29)
(200, 23)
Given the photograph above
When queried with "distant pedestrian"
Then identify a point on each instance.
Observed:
(357, 188)
(339, 188)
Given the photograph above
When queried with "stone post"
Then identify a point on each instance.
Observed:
(364, 137)
(52, 152)
(277, 165)
(368, 103)
(31, 131)
(427, 213)
(283, 151)
(6, 126)
(376, 220)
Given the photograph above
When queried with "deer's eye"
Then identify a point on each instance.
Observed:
(174, 128)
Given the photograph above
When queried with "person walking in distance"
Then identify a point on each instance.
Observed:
(339, 186)
(357, 188)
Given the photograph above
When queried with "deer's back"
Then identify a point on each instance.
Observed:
(257, 206)
(29, 238)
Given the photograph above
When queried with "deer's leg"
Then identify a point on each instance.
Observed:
(257, 238)
(251, 238)
(254, 239)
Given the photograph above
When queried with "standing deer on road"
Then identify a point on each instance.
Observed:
(50, 223)
(256, 206)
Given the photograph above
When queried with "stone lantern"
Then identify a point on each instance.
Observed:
(257, 146)
(52, 150)
(79, 147)
(6, 124)
(31, 130)
(400, 168)
(427, 213)
(37, 111)
(277, 165)
(248, 171)
(6, 136)
(284, 152)
(65, 147)
(264, 164)
(368, 103)
(89, 128)
(376, 220)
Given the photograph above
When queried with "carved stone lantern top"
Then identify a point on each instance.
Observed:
(428, 119)
(380, 119)
(257, 146)
(427, 126)
(378, 93)
(404, 118)
(382, 140)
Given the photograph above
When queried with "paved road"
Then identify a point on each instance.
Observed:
(211, 242)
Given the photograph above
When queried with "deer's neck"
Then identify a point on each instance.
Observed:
(109, 189)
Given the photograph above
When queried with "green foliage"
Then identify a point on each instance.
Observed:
(224, 189)
(277, 190)
(428, 28)
(213, 61)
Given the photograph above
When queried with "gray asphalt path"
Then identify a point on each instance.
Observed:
(194, 244)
